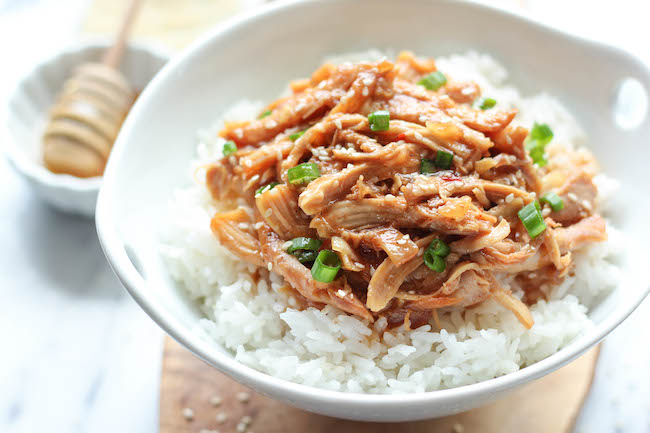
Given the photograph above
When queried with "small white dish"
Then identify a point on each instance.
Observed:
(254, 55)
(27, 109)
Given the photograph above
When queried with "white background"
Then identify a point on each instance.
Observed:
(77, 354)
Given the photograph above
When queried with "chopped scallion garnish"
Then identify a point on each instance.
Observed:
(296, 135)
(306, 256)
(554, 200)
(540, 135)
(531, 217)
(379, 120)
(265, 188)
(264, 114)
(439, 248)
(427, 166)
(310, 244)
(486, 103)
(433, 81)
(434, 255)
(444, 159)
(326, 266)
(229, 147)
(303, 173)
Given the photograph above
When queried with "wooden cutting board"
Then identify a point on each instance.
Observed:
(548, 405)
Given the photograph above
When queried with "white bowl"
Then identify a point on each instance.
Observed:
(254, 55)
(27, 110)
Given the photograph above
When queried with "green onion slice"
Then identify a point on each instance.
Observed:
(444, 159)
(305, 257)
(297, 135)
(540, 135)
(379, 120)
(434, 255)
(265, 188)
(531, 217)
(554, 200)
(486, 103)
(427, 166)
(434, 262)
(303, 173)
(439, 248)
(264, 114)
(229, 147)
(326, 266)
(310, 244)
(433, 81)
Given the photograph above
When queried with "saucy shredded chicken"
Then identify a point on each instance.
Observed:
(389, 190)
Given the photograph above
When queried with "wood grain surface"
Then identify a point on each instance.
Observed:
(548, 405)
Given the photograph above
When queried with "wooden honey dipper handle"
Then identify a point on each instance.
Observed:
(113, 56)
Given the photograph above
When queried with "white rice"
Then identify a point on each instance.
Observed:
(332, 350)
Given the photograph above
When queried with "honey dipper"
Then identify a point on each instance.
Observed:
(89, 111)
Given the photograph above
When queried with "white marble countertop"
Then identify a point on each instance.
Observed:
(78, 354)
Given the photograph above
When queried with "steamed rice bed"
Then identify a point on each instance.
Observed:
(330, 349)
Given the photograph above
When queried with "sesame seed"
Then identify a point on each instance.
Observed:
(401, 241)
(246, 420)
(239, 133)
(271, 124)
(292, 301)
(205, 430)
(418, 136)
(243, 226)
(300, 106)
(241, 428)
(221, 417)
(367, 81)
(232, 160)
(243, 397)
(390, 197)
(278, 155)
(325, 158)
(255, 178)
(215, 400)
(572, 196)
(268, 212)
(510, 197)
(248, 163)
(258, 225)
(350, 165)
(188, 414)
(352, 93)
(546, 211)
(286, 245)
(269, 266)
(423, 119)
(336, 183)
(372, 271)
(340, 293)
(338, 124)
(458, 428)
(365, 92)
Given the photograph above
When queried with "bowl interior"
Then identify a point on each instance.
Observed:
(34, 95)
(158, 141)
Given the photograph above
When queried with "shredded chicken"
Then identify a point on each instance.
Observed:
(408, 240)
